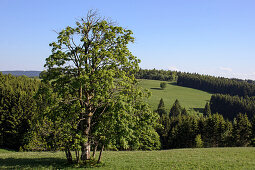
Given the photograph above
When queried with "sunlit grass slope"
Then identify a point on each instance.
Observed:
(204, 158)
(188, 97)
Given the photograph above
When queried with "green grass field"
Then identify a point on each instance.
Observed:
(205, 158)
(188, 97)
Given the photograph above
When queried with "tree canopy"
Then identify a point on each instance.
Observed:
(92, 68)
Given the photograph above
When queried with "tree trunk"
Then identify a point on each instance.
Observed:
(100, 154)
(77, 153)
(85, 148)
(68, 155)
(95, 149)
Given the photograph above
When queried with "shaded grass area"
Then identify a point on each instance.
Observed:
(32, 160)
(204, 158)
(191, 99)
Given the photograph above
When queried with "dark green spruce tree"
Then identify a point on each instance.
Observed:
(253, 131)
(161, 108)
(242, 130)
(207, 110)
(176, 109)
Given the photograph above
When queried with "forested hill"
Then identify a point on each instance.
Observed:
(206, 83)
(216, 84)
(23, 73)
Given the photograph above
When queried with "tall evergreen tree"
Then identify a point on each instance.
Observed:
(161, 108)
(242, 130)
(164, 130)
(253, 127)
(176, 109)
(207, 110)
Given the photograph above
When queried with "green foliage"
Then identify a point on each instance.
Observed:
(154, 74)
(253, 126)
(231, 106)
(161, 108)
(163, 130)
(182, 133)
(176, 109)
(163, 85)
(252, 142)
(17, 109)
(199, 141)
(207, 110)
(92, 72)
(215, 127)
(216, 84)
(128, 126)
(242, 130)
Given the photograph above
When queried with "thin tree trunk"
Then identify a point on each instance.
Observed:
(95, 149)
(77, 153)
(100, 154)
(68, 155)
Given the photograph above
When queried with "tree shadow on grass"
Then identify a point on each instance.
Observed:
(33, 163)
(173, 83)
(156, 88)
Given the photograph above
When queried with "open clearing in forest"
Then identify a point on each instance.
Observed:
(188, 97)
(204, 158)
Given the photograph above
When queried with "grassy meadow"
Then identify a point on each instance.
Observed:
(188, 97)
(204, 158)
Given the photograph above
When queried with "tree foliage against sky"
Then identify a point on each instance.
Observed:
(91, 64)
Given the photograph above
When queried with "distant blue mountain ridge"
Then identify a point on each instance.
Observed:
(23, 73)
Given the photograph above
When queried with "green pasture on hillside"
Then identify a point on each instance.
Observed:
(204, 158)
(188, 97)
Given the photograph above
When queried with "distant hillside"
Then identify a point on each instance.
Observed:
(23, 73)
(191, 99)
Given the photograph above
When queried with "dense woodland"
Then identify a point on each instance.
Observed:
(181, 130)
(154, 74)
(231, 106)
(17, 109)
(216, 84)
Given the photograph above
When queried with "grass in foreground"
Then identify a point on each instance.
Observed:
(205, 158)
(188, 97)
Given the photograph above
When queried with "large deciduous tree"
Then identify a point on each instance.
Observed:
(91, 63)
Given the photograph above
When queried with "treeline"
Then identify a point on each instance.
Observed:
(168, 75)
(181, 130)
(163, 75)
(23, 73)
(216, 84)
(17, 109)
(231, 106)
(32, 117)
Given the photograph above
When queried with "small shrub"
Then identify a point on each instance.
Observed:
(163, 85)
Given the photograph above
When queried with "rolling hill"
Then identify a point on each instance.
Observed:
(189, 98)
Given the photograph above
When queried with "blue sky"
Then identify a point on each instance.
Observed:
(215, 37)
